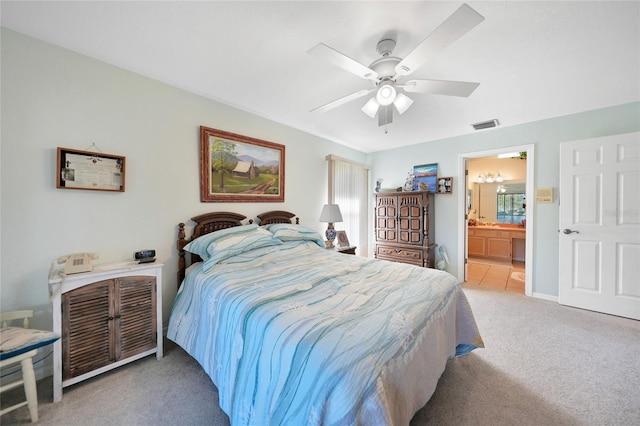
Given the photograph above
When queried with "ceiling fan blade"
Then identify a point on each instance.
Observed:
(343, 100)
(371, 107)
(341, 60)
(385, 115)
(458, 24)
(440, 87)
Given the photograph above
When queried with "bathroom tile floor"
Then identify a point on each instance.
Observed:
(497, 275)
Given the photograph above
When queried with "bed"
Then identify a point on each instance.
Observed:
(294, 334)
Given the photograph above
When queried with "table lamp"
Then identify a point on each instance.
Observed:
(330, 214)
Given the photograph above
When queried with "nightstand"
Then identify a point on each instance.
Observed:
(107, 317)
(347, 250)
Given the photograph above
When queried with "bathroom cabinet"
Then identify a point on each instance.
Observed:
(493, 242)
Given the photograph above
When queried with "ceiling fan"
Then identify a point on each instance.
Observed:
(387, 72)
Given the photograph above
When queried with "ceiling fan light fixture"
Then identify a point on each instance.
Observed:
(402, 102)
(371, 107)
(386, 94)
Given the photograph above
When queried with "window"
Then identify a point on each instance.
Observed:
(348, 188)
(511, 208)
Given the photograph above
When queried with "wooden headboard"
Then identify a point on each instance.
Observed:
(276, 216)
(210, 222)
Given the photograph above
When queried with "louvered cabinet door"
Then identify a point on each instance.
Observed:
(136, 315)
(87, 332)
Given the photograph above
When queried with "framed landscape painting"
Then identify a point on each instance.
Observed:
(236, 168)
(425, 177)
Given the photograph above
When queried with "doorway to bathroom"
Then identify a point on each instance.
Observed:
(495, 228)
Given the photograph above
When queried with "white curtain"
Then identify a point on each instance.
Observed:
(349, 188)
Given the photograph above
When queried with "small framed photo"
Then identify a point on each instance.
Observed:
(343, 241)
(445, 185)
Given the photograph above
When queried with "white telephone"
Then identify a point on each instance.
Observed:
(79, 262)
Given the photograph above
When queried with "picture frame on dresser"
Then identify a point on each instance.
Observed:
(445, 185)
(342, 239)
(425, 177)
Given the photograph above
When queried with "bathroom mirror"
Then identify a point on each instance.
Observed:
(503, 202)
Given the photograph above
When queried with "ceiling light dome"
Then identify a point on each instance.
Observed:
(386, 94)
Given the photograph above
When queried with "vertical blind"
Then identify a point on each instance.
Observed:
(348, 184)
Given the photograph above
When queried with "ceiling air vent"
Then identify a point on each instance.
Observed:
(486, 124)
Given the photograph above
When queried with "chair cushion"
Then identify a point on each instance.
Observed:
(16, 340)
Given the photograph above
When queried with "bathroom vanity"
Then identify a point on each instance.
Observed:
(497, 242)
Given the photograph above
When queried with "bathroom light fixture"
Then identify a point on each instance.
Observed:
(497, 177)
(481, 178)
(489, 178)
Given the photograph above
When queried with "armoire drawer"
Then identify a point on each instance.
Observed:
(400, 254)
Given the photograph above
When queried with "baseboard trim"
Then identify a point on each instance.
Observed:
(545, 297)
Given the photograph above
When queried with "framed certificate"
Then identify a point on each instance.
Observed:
(90, 170)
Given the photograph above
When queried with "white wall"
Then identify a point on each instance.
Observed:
(546, 135)
(52, 97)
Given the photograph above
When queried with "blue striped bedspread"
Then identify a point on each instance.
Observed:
(299, 335)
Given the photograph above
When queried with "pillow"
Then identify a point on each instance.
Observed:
(16, 340)
(291, 232)
(201, 244)
(219, 245)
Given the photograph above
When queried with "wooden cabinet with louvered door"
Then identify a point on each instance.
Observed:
(86, 330)
(135, 321)
(107, 318)
(107, 321)
(405, 228)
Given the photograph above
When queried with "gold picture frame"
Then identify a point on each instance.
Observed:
(236, 168)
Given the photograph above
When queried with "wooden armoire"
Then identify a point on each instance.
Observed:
(405, 227)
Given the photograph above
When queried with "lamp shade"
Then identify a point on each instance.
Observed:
(371, 107)
(330, 214)
(402, 102)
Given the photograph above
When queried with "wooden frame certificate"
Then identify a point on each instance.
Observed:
(90, 170)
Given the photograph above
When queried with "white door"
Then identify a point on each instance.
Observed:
(600, 224)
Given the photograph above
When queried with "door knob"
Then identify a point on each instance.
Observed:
(569, 231)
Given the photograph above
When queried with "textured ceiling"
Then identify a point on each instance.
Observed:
(533, 60)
